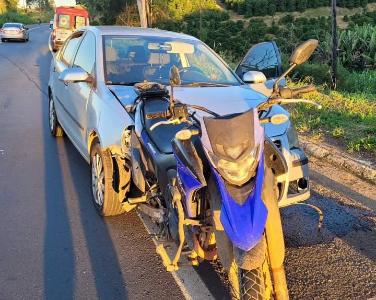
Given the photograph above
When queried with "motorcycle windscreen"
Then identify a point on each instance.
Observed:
(233, 136)
(244, 223)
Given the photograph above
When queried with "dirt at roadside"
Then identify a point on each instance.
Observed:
(338, 261)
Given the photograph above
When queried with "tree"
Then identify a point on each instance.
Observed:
(3, 7)
(290, 5)
(38, 3)
(11, 4)
(301, 5)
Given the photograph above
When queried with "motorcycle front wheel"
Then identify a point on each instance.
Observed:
(253, 284)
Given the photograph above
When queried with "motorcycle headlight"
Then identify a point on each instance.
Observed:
(292, 137)
(239, 172)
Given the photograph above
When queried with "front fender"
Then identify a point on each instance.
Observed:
(243, 223)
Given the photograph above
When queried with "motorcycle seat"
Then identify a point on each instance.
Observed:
(162, 135)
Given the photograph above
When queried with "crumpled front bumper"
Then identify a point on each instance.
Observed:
(295, 186)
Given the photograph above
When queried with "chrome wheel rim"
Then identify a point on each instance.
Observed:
(97, 179)
(52, 115)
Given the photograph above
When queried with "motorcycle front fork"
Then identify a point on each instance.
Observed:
(274, 237)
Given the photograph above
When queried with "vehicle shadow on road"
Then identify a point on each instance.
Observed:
(59, 269)
(67, 180)
(104, 260)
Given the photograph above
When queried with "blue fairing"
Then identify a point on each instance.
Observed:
(189, 183)
(244, 224)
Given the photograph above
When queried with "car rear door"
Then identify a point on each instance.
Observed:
(79, 93)
(264, 57)
(64, 60)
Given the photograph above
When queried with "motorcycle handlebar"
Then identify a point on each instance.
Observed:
(303, 90)
(289, 93)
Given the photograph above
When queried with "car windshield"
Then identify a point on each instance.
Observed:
(13, 25)
(128, 60)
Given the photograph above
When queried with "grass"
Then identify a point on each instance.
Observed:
(349, 118)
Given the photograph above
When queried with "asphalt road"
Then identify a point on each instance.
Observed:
(53, 245)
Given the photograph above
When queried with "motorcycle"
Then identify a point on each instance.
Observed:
(211, 186)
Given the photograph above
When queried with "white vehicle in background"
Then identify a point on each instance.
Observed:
(14, 31)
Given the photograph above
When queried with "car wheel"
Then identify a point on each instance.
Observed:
(103, 181)
(55, 127)
(3, 40)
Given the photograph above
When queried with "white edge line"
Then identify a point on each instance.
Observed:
(201, 293)
(185, 292)
(31, 29)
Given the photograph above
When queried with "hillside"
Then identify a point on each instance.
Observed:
(324, 11)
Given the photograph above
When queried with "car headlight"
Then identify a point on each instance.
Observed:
(239, 172)
(292, 137)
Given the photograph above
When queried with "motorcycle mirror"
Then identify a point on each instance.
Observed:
(299, 56)
(174, 76)
(303, 52)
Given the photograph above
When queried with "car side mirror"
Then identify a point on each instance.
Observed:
(254, 77)
(303, 52)
(75, 74)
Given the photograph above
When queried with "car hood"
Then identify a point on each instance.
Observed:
(222, 100)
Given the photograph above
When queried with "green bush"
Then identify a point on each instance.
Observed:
(357, 82)
(12, 16)
(25, 18)
(352, 82)
(270, 7)
(315, 73)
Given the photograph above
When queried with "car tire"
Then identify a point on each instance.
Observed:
(55, 127)
(103, 182)
(3, 40)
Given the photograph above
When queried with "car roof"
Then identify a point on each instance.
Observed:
(125, 30)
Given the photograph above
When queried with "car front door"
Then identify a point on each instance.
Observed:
(79, 93)
(63, 61)
(264, 57)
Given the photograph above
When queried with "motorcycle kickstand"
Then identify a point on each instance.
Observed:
(172, 265)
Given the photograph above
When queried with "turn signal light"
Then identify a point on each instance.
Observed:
(278, 119)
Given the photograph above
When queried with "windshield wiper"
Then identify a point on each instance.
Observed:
(206, 84)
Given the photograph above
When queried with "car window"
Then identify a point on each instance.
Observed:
(14, 25)
(85, 57)
(263, 57)
(79, 22)
(64, 21)
(129, 60)
(70, 49)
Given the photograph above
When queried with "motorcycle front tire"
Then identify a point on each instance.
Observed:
(252, 284)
